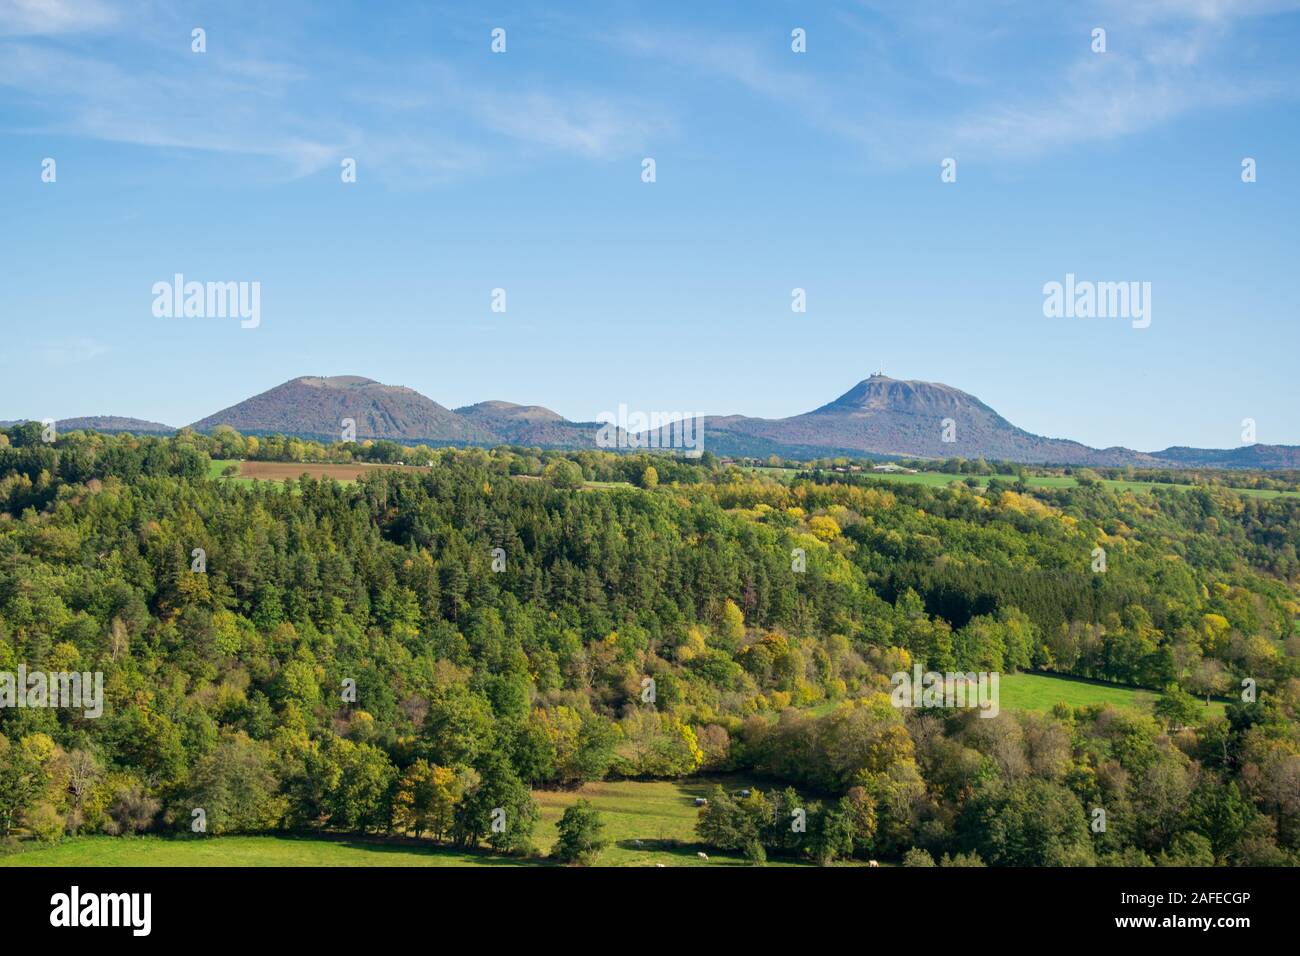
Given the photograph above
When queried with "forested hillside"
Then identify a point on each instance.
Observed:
(413, 651)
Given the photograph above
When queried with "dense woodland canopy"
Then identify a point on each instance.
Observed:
(229, 689)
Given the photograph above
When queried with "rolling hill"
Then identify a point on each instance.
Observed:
(530, 425)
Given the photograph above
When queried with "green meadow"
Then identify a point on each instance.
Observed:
(237, 851)
(646, 823)
(1044, 691)
(937, 479)
(219, 465)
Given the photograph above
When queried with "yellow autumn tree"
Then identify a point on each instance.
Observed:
(824, 527)
(693, 646)
(426, 799)
(732, 629)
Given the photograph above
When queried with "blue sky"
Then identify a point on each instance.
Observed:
(775, 170)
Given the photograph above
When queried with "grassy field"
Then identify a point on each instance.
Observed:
(236, 851)
(278, 472)
(248, 472)
(660, 814)
(1044, 691)
(218, 465)
(937, 479)
(1066, 481)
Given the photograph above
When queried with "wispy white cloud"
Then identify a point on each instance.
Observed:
(1165, 59)
(70, 351)
(418, 121)
(591, 125)
(185, 108)
(50, 17)
(1002, 80)
(730, 57)
(1146, 78)
(1204, 10)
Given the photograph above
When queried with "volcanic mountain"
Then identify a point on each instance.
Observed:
(885, 416)
(316, 407)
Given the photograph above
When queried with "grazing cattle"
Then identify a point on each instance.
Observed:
(872, 863)
(702, 856)
(637, 842)
(700, 801)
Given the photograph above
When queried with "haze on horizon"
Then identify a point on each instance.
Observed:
(774, 171)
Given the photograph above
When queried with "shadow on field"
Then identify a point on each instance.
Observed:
(401, 844)
(674, 847)
(676, 851)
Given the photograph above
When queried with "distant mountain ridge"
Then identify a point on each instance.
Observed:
(1260, 457)
(114, 424)
(878, 417)
(530, 425)
(110, 424)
